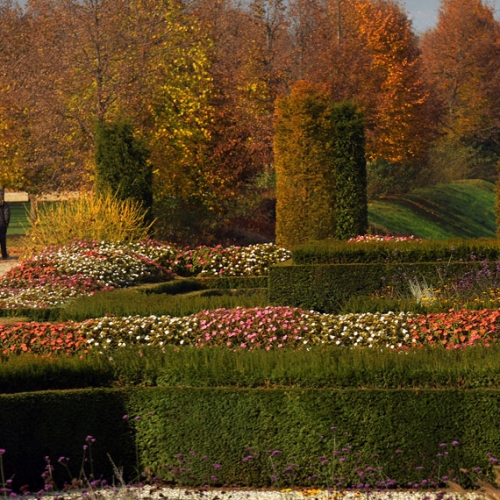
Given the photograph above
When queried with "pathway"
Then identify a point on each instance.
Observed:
(5, 265)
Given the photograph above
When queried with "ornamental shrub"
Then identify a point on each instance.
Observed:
(122, 165)
(351, 205)
(304, 163)
(90, 217)
(320, 166)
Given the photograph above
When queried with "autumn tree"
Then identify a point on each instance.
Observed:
(12, 118)
(461, 57)
(366, 51)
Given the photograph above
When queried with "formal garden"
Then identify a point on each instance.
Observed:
(331, 359)
(252, 366)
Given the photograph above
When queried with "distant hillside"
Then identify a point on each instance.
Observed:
(463, 209)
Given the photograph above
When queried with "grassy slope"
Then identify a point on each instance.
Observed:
(18, 217)
(463, 209)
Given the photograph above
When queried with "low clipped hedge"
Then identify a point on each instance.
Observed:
(327, 287)
(343, 252)
(223, 436)
(179, 286)
(315, 367)
(56, 424)
(227, 425)
(33, 313)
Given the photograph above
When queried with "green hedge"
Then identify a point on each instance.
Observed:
(33, 313)
(326, 288)
(315, 367)
(341, 252)
(180, 286)
(56, 424)
(227, 425)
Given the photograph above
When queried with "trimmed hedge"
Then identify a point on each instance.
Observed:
(179, 286)
(33, 313)
(318, 366)
(227, 425)
(341, 252)
(56, 424)
(325, 288)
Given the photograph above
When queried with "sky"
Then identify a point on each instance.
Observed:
(424, 12)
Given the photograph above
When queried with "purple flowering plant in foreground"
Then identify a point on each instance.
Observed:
(339, 467)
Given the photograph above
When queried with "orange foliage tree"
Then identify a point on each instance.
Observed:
(461, 56)
(366, 51)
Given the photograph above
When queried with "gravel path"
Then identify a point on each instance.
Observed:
(5, 265)
(165, 493)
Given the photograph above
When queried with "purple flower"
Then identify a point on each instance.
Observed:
(216, 466)
(455, 443)
(2, 451)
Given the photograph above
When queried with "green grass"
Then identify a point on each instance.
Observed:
(19, 219)
(463, 209)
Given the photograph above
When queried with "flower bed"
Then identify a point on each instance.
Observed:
(58, 274)
(257, 328)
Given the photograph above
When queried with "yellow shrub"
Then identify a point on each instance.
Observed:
(92, 217)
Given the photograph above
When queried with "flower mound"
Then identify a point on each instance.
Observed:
(56, 275)
(257, 328)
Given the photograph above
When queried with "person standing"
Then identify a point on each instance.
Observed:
(4, 224)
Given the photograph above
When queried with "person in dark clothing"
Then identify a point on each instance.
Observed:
(4, 224)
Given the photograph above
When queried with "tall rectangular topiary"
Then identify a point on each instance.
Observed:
(351, 203)
(304, 166)
(319, 155)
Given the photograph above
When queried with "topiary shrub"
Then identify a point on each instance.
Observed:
(303, 157)
(122, 166)
(351, 204)
(319, 154)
